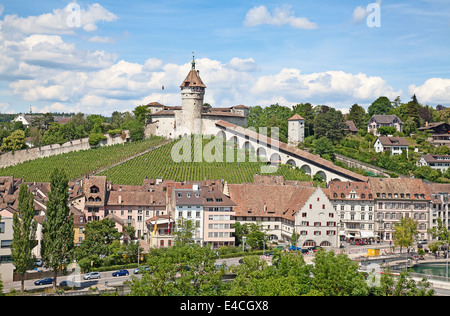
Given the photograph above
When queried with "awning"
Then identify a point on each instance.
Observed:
(367, 234)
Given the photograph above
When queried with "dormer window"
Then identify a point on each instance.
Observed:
(94, 189)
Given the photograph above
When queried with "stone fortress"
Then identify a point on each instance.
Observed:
(192, 117)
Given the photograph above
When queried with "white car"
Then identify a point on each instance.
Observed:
(422, 242)
(92, 275)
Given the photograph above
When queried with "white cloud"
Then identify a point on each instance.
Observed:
(100, 39)
(359, 14)
(330, 87)
(281, 16)
(433, 91)
(59, 22)
(244, 65)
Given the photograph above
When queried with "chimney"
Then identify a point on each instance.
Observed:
(119, 199)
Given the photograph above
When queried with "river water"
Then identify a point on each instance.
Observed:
(431, 269)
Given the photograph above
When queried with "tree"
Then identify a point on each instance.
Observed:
(13, 142)
(98, 237)
(386, 130)
(184, 234)
(142, 113)
(337, 275)
(382, 105)
(357, 114)
(404, 232)
(324, 146)
(57, 232)
(329, 123)
(24, 234)
(441, 233)
(181, 270)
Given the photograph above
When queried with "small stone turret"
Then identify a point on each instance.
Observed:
(296, 130)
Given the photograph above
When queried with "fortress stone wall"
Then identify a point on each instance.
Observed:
(19, 156)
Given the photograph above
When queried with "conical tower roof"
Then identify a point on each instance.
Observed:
(193, 78)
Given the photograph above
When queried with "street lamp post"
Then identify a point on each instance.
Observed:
(243, 243)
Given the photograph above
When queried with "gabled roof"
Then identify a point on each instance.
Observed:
(393, 141)
(385, 119)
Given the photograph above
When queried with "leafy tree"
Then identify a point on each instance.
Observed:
(357, 114)
(382, 105)
(180, 270)
(337, 275)
(99, 236)
(404, 232)
(254, 233)
(13, 142)
(386, 130)
(441, 233)
(184, 233)
(57, 232)
(142, 113)
(24, 234)
(324, 146)
(136, 129)
(329, 123)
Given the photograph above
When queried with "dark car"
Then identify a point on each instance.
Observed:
(43, 281)
(120, 273)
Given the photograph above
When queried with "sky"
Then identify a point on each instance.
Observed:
(106, 56)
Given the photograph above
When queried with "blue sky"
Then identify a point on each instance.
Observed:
(114, 55)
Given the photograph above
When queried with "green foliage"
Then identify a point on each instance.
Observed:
(57, 231)
(329, 123)
(386, 130)
(382, 105)
(15, 141)
(95, 138)
(180, 270)
(24, 233)
(99, 236)
(404, 232)
(357, 114)
(324, 146)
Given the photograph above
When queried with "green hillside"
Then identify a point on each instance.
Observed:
(159, 163)
(79, 163)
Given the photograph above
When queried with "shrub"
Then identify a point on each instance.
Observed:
(94, 139)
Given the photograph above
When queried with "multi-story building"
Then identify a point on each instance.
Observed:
(354, 204)
(282, 207)
(6, 238)
(397, 198)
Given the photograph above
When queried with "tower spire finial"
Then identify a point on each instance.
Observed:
(193, 61)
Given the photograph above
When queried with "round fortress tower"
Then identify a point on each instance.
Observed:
(192, 92)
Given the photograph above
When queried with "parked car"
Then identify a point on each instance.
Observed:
(91, 275)
(121, 272)
(140, 269)
(67, 284)
(44, 281)
(422, 242)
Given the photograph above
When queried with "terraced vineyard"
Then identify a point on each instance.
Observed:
(79, 163)
(195, 167)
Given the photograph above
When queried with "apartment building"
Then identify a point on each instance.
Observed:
(355, 207)
(397, 198)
